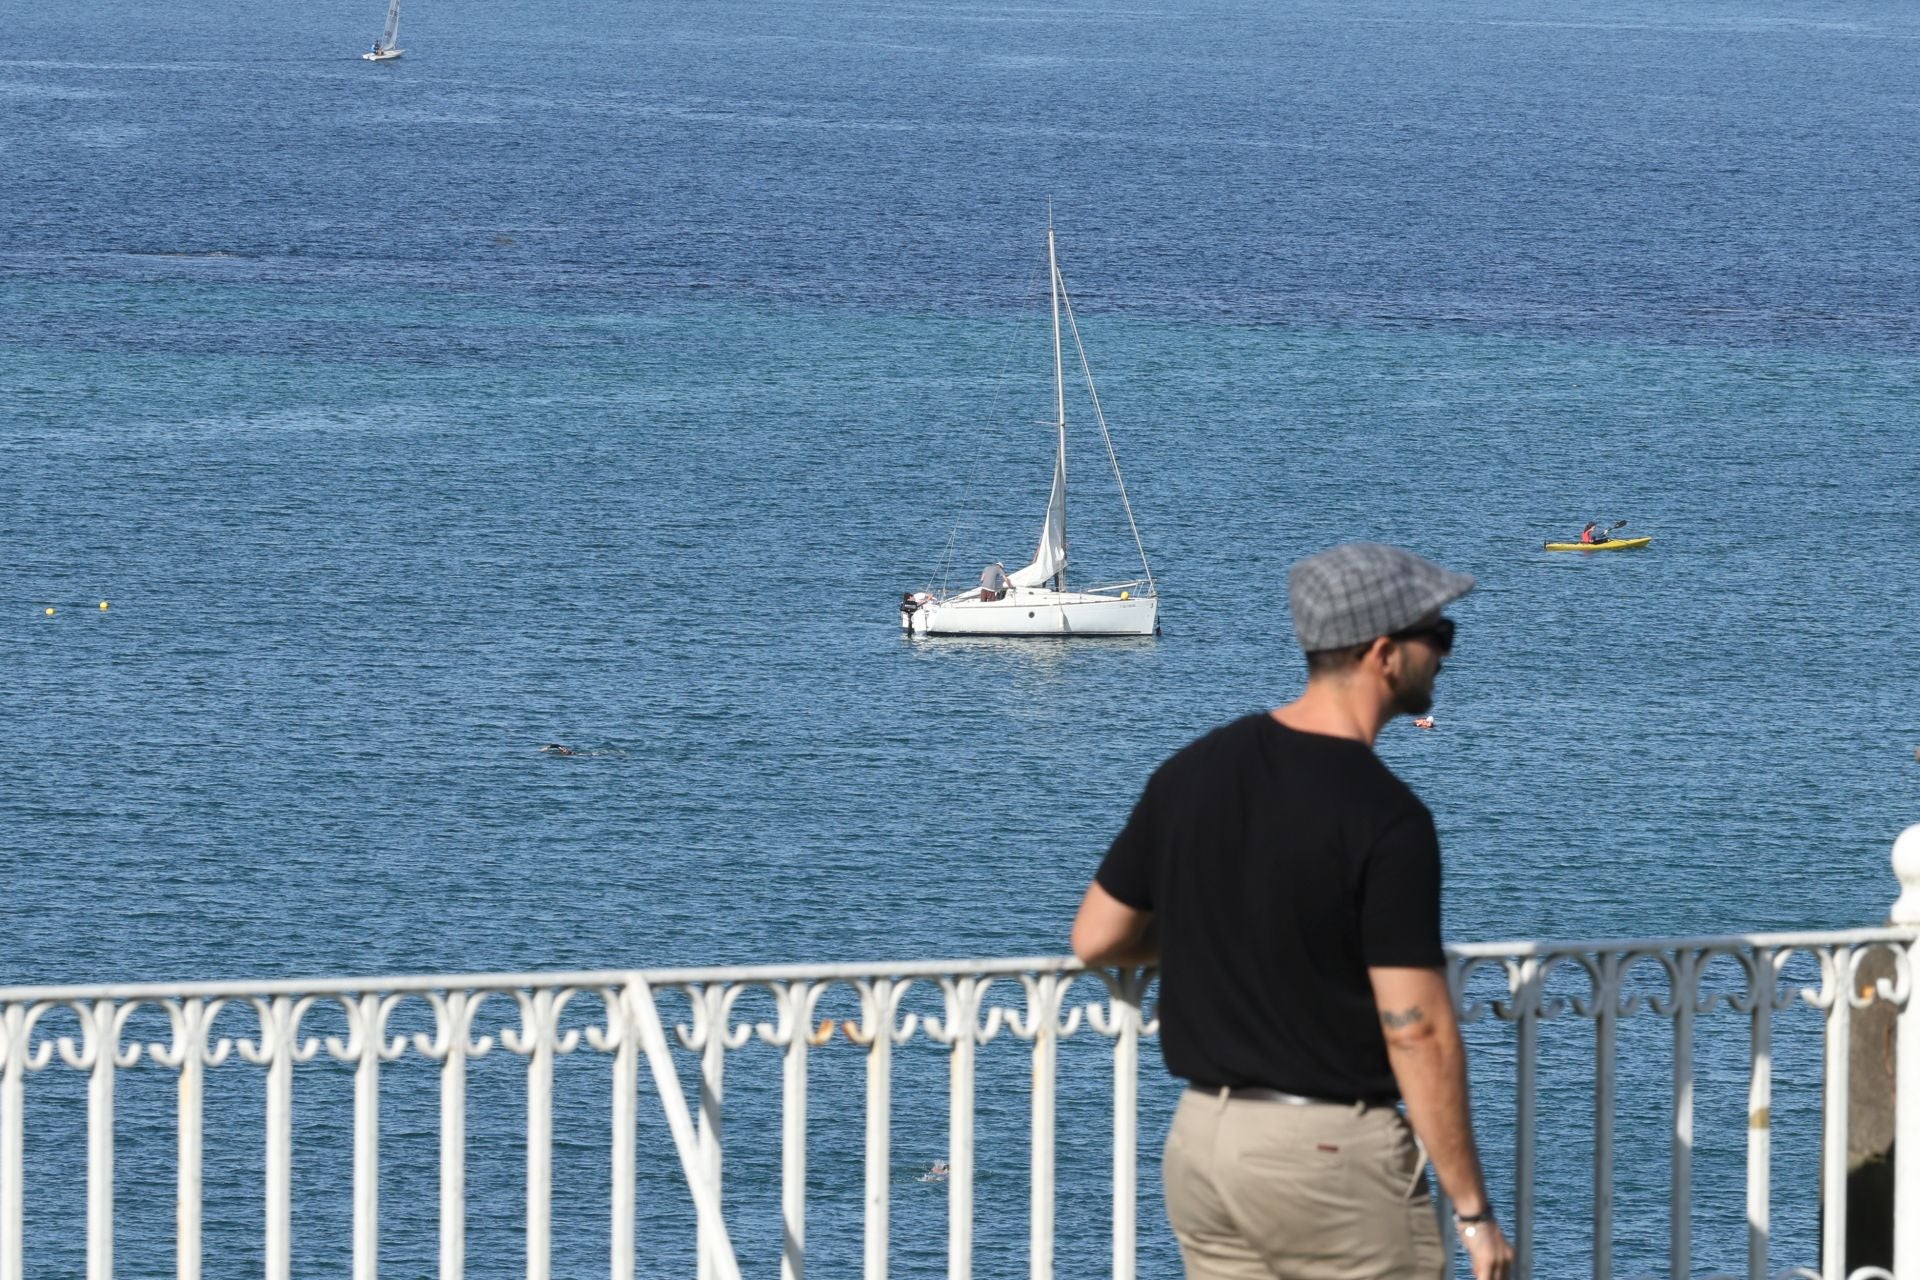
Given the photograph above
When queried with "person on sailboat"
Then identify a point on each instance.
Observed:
(993, 581)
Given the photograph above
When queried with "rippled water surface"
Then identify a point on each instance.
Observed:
(601, 374)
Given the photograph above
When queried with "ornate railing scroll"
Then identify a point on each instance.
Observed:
(1688, 978)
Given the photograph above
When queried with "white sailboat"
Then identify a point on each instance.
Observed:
(388, 46)
(1034, 600)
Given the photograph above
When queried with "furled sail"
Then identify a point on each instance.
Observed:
(1051, 556)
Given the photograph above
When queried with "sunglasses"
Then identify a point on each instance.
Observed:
(1438, 633)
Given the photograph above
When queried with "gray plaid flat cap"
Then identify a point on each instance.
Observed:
(1360, 590)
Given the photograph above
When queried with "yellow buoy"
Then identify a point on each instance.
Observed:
(1126, 595)
(103, 604)
(49, 611)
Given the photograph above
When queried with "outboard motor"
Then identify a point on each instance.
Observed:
(909, 606)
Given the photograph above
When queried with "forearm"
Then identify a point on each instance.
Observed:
(1143, 950)
(1432, 1073)
(1108, 932)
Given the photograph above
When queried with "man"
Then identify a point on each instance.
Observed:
(1591, 534)
(993, 581)
(1288, 885)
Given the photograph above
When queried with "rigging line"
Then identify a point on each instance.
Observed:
(946, 561)
(1101, 417)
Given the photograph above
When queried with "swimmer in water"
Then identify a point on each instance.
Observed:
(555, 749)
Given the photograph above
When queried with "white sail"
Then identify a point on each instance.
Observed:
(391, 35)
(1050, 558)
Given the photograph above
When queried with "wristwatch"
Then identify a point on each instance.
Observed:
(1470, 1223)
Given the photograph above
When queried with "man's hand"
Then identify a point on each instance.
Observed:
(1487, 1249)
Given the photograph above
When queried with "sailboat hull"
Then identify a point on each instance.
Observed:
(1029, 612)
(384, 55)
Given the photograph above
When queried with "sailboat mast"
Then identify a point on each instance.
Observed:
(1059, 402)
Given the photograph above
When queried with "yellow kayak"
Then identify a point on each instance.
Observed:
(1611, 544)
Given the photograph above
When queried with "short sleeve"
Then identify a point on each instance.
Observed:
(1127, 870)
(1400, 896)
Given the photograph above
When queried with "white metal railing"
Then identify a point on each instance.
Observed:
(977, 1001)
(1604, 977)
(954, 1006)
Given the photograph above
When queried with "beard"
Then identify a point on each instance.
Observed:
(1414, 699)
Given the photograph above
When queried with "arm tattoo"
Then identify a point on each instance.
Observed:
(1406, 1018)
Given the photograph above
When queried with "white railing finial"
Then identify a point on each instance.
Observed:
(1906, 865)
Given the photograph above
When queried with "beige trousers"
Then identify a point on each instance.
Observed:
(1273, 1191)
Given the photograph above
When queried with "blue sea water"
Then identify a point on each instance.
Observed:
(602, 373)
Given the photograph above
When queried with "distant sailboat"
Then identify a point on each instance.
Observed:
(388, 46)
(1034, 600)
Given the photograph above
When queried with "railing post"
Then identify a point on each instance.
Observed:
(1043, 1008)
(187, 1193)
(1906, 1143)
(713, 1065)
(622, 1192)
(878, 1002)
(1760, 1117)
(19, 1026)
(365, 1047)
(277, 1049)
(1129, 992)
(99, 1054)
(796, 1026)
(962, 1001)
(540, 1156)
(279, 1172)
(1526, 1055)
(190, 1054)
(1606, 1017)
(366, 1166)
(1687, 962)
(451, 1044)
(12, 1145)
(540, 1039)
(1838, 995)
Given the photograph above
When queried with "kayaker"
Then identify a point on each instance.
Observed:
(1591, 533)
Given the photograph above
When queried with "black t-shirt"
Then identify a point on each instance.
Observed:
(1279, 866)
